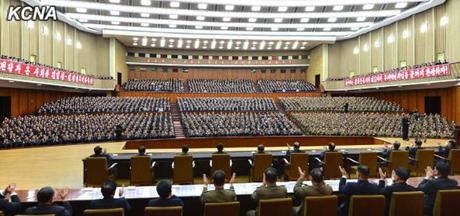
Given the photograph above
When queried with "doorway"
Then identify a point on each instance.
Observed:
(5, 107)
(433, 104)
(317, 80)
(119, 78)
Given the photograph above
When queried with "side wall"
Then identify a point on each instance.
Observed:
(120, 61)
(53, 43)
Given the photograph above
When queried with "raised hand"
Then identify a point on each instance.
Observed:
(121, 191)
(343, 171)
(301, 172)
(429, 172)
(205, 180)
(382, 174)
(232, 180)
(63, 193)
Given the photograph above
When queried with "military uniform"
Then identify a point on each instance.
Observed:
(267, 192)
(301, 192)
(218, 195)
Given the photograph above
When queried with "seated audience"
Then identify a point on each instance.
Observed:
(268, 190)
(295, 150)
(362, 187)
(238, 124)
(226, 104)
(220, 86)
(166, 198)
(435, 180)
(108, 201)
(285, 86)
(330, 148)
(399, 177)
(10, 203)
(219, 194)
(171, 85)
(318, 188)
(444, 151)
(45, 204)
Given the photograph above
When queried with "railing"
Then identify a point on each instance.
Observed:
(164, 61)
(340, 84)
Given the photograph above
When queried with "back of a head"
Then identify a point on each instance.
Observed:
(443, 169)
(271, 175)
(331, 146)
(316, 175)
(141, 149)
(164, 189)
(418, 142)
(396, 145)
(363, 171)
(185, 148)
(296, 145)
(45, 195)
(97, 150)
(220, 147)
(403, 173)
(218, 178)
(108, 188)
(260, 148)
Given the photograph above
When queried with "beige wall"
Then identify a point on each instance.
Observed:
(120, 61)
(316, 64)
(20, 41)
(418, 48)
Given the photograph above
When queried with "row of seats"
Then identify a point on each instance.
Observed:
(219, 86)
(336, 104)
(226, 104)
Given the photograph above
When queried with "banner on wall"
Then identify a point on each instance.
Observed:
(406, 74)
(44, 72)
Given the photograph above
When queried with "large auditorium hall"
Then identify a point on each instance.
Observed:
(229, 107)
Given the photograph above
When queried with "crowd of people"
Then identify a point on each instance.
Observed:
(337, 104)
(221, 86)
(285, 86)
(238, 124)
(226, 104)
(106, 104)
(371, 124)
(35, 130)
(170, 85)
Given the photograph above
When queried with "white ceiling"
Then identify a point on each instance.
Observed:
(234, 24)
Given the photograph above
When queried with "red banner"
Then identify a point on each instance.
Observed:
(20, 68)
(405, 74)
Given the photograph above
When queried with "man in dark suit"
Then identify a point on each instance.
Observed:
(220, 149)
(387, 151)
(185, 149)
(413, 149)
(295, 150)
(99, 152)
(46, 206)
(108, 189)
(141, 151)
(361, 187)
(399, 176)
(430, 185)
(166, 197)
(444, 151)
(405, 126)
(10, 203)
(330, 148)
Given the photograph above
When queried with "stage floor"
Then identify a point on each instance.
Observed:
(61, 166)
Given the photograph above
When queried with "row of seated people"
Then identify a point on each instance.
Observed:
(33, 130)
(285, 86)
(226, 104)
(436, 180)
(339, 104)
(106, 104)
(372, 124)
(219, 86)
(170, 85)
(237, 124)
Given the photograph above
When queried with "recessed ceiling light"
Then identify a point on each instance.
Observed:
(115, 23)
(365, 47)
(444, 21)
(360, 19)
(282, 9)
(249, 28)
(255, 8)
(221, 47)
(224, 27)
(252, 19)
(424, 27)
(368, 6)
(199, 27)
(286, 48)
(114, 1)
(188, 46)
(401, 5)
(300, 29)
(145, 24)
(170, 46)
(238, 42)
(172, 26)
(304, 20)
(134, 44)
(271, 42)
(338, 8)
(304, 43)
(173, 16)
(274, 28)
(152, 45)
(58, 36)
(145, 15)
(278, 20)
(269, 48)
(332, 19)
(310, 8)
(188, 41)
(237, 48)
(171, 40)
(200, 18)
(68, 41)
(205, 42)
(391, 39)
(154, 39)
(377, 43)
(229, 7)
(82, 10)
(226, 19)
(146, 2)
(254, 42)
(356, 50)
(287, 43)
(327, 29)
(174, 4)
(202, 6)
(115, 13)
(405, 34)
(253, 48)
(205, 47)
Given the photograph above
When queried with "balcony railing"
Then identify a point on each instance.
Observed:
(214, 62)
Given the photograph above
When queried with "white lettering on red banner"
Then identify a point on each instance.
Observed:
(405, 74)
(30, 70)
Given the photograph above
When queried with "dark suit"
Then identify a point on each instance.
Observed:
(388, 191)
(173, 201)
(57, 210)
(355, 188)
(10, 208)
(431, 187)
(413, 151)
(107, 203)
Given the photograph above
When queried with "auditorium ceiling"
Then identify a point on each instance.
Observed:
(233, 24)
